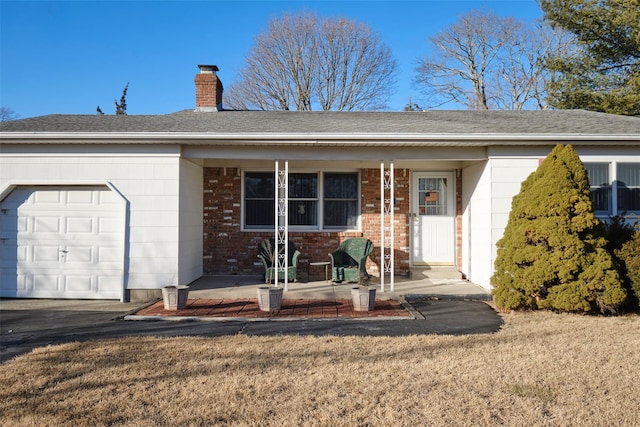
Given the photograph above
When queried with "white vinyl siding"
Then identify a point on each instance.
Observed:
(150, 184)
(488, 189)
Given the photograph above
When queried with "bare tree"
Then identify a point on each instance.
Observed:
(7, 114)
(522, 75)
(302, 62)
(484, 61)
(356, 70)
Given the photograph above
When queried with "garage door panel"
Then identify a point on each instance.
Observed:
(79, 225)
(79, 197)
(47, 224)
(47, 196)
(62, 242)
(46, 282)
(44, 253)
(79, 255)
(78, 283)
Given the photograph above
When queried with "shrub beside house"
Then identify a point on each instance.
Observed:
(553, 252)
(629, 257)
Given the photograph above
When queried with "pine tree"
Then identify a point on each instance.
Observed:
(121, 107)
(602, 72)
(553, 252)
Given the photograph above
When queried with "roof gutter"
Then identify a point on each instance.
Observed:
(310, 139)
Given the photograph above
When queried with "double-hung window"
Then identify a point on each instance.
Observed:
(628, 187)
(600, 182)
(316, 201)
(615, 187)
(259, 199)
(340, 197)
(303, 199)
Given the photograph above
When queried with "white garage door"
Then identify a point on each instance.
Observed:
(62, 242)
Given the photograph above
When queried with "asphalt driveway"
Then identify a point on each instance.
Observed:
(26, 324)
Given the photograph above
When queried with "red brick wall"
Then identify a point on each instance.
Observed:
(371, 215)
(228, 250)
(208, 90)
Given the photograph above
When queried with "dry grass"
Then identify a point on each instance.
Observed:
(541, 369)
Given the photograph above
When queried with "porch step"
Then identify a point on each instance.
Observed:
(436, 273)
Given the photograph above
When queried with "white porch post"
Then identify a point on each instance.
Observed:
(382, 261)
(392, 228)
(281, 223)
(387, 263)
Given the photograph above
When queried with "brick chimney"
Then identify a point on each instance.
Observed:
(208, 89)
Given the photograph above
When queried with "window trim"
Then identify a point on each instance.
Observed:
(615, 188)
(320, 205)
(613, 208)
(608, 187)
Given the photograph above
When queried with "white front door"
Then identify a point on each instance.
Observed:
(433, 218)
(61, 242)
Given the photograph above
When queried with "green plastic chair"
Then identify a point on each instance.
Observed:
(266, 255)
(348, 262)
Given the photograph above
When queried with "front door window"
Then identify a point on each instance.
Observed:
(432, 196)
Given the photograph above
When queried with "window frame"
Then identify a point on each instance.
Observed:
(613, 208)
(319, 227)
(608, 188)
(627, 185)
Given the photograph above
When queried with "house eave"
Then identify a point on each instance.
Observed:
(310, 139)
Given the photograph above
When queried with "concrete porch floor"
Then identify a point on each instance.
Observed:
(441, 283)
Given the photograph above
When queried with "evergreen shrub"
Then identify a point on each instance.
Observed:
(629, 255)
(553, 252)
(620, 232)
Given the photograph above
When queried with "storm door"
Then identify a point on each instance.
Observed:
(433, 218)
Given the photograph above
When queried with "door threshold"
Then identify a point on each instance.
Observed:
(436, 272)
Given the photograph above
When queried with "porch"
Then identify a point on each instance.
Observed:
(234, 297)
(425, 282)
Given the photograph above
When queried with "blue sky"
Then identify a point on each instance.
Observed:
(67, 57)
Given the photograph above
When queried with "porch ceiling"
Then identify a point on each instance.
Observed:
(344, 154)
(342, 165)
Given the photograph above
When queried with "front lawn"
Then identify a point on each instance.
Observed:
(540, 369)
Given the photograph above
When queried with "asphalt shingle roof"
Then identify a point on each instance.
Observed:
(434, 122)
